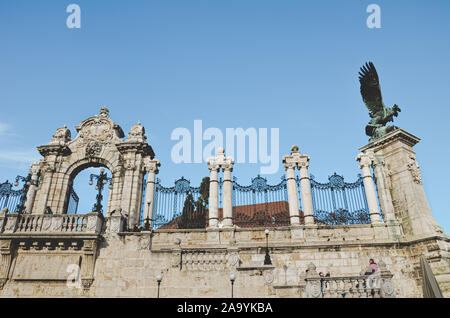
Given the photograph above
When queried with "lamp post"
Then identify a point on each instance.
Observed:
(232, 279)
(267, 260)
(147, 219)
(159, 278)
(102, 179)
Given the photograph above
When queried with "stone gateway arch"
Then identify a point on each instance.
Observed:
(99, 143)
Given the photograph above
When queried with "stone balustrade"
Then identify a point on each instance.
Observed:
(57, 223)
(378, 285)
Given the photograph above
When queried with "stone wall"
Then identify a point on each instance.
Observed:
(197, 263)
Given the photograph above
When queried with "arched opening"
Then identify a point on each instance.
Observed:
(88, 191)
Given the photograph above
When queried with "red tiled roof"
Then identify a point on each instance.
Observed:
(254, 215)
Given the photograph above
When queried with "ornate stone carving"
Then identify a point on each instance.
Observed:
(233, 259)
(151, 165)
(313, 289)
(99, 128)
(268, 277)
(203, 260)
(87, 283)
(364, 160)
(93, 148)
(387, 288)
(295, 159)
(414, 168)
(220, 161)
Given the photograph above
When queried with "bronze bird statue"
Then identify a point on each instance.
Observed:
(371, 94)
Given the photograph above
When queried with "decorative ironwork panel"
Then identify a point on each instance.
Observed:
(338, 202)
(72, 207)
(299, 196)
(260, 204)
(12, 199)
(169, 201)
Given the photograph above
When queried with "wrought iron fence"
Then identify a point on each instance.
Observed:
(12, 199)
(338, 202)
(260, 204)
(169, 202)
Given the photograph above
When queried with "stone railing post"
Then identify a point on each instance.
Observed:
(11, 222)
(305, 186)
(32, 188)
(214, 165)
(152, 168)
(313, 282)
(387, 289)
(290, 162)
(369, 186)
(3, 213)
(94, 222)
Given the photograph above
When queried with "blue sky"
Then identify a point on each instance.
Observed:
(291, 65)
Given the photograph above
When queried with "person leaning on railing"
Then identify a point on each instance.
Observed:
(48, 210)
(373, 267)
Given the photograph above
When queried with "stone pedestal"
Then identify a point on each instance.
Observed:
(402, 180)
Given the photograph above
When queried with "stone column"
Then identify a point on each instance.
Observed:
(305, 186)
(44, 188)
(31, 193)
(227, 195)
(292, 193)
(369, 186)
(213, 217)
(132, 185)
(152, 168)
(383, 183)
(116, 192)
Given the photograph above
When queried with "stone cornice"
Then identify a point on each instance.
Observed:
(54, 150)
(398, 134)
(138, 147)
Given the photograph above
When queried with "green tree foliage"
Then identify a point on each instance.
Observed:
(194, 212)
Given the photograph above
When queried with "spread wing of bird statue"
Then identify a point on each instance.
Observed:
(371, 94)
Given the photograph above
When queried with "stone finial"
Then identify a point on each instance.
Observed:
(104, 111)
(311, 267)
(137, 133)
(311, 271)
(61, 136)
(294, 149)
